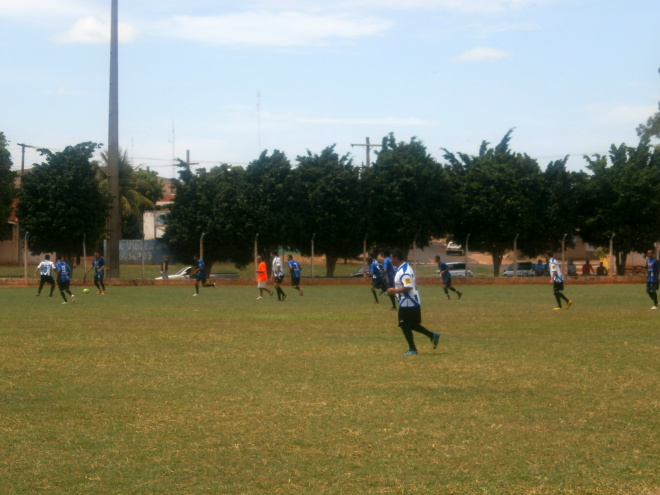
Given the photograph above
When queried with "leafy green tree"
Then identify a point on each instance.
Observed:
(211, 203)
(271, 201)
(140, 190)
(7, 191)
(61, 202)
(409, 196)
(497, 200)
(652, 127)
(329, 204)
(621, 198)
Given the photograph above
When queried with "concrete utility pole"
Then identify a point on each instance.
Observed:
(113, 149)
(368, 145)
(18, 224)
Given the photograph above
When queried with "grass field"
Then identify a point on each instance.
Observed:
(150, 390)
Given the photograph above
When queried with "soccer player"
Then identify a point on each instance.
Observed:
(557, 281)
(46, 268)
(445, 274)
(389, 272)
(652, 268)
(64, 278)
(164, 266)
(199, 272)
(294, 271)
(98, 263)
(377, 282)
(262, 278)
(278, 275)
(410, 310)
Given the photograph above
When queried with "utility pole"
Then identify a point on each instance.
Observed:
(18, 224)
(368, 145)
(113, 149)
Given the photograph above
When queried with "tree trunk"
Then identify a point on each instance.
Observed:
(620, 260)
(330, 264)
(497, 255)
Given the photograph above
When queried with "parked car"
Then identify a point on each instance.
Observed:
(525, 269)
(184, 274)
(453, 248)
(458, 270)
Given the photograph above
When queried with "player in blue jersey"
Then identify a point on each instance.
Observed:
(98, 264)
(64, 278)
(652, 269)
(376, 274)
(445, 274)
(410, 309)
(389, 273)
(198, 273)
(295, 270)
(46, 268)
(277, 274)
(557, 281)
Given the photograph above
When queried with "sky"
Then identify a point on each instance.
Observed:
(226, 80)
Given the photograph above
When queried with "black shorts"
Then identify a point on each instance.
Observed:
(98, 277)
(410, 317)
(651, 286)
(47, 279)
(558, 286)
(278, 280)
(295, 281)
(63, 285)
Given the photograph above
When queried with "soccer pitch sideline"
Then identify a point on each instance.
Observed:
(150, 390)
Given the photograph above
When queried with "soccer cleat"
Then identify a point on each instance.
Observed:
(283, 297)
(300, 292)
(436, 339)
(73, 298)
(558, 308)
(99, 292)
(568, 304)
(37, 295)
(410, 353)
(64, 302)
(195, 295)
(103, 293)
(392, 309)
(376, 302)
(259, 297)
(448, 298)
(460, 294)
(654, 307)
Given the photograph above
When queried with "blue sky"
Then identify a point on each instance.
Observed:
(227, 80)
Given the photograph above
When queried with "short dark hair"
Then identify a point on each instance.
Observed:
(398, 254)
(47, 256)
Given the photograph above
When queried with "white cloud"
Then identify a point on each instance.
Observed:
(482, 53)
(283, 29)
(47, 9)
(621, 114)
(91, 30)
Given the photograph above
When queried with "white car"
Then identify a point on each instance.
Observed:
(184, 274)
(525, 269)
(453, 248)
(458, 270)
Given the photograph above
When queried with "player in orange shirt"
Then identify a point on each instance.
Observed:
(262, 278)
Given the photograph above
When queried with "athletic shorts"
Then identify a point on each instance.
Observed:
(295, 281)
(278, 279)
(47, 279)
(261, 285)
(98, 277)
(651, 285)
(63, 285)
(558, 286)
(410, 317)
(446, 280)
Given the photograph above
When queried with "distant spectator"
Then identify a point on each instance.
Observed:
(571, 269)
(539, 268)
(587, 269)
(601, 270)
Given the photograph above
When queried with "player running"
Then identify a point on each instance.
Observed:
(557, 281)
(652, 268)
(46, 268)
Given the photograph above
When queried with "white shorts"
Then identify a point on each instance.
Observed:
(261, 285)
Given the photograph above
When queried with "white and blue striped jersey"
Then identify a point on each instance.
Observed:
(406, 278)
(278, 271)
(555, 271)
(46, 268)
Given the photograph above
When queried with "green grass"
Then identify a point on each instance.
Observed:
(150, 390)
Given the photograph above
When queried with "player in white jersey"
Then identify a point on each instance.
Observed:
(278, 275)
(410, 309)
(557, 281)
(46, 268)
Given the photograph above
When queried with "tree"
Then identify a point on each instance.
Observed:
(621, 198)
(211, 203)
(497, 200)
(61, 202)
(139, 191)
(652, 127)
(328, 205)
(409, 196)
(7, 191)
